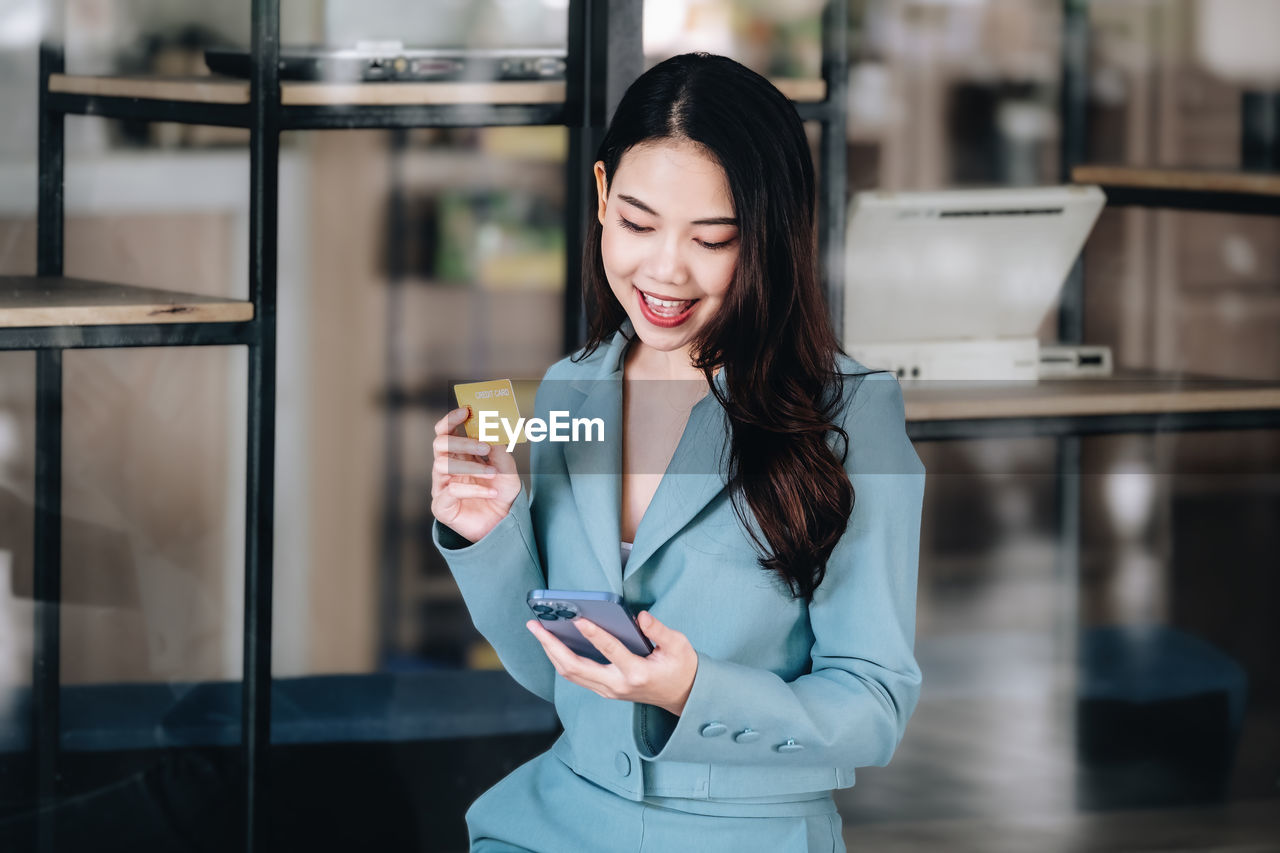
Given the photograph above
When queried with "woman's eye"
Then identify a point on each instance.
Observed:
(631, 226)
(713, 246)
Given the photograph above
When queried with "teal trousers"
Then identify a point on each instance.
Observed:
(544, 806)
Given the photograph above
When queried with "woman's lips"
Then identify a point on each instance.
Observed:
(663, 320)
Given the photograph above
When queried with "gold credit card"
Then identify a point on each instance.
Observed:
(495, 400)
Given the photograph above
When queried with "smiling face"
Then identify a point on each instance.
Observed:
(668, 234)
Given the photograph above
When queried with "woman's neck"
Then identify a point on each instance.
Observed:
(645, 362)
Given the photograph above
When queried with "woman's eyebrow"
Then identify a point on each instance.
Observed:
(715, 220)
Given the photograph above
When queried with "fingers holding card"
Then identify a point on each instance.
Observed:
(474, 479)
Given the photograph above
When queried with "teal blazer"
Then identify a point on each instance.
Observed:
(788, 699)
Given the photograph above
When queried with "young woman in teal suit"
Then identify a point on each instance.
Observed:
(756, 499)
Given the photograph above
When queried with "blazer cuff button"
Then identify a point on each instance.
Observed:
(713, 729)
(747, 736)
(789, 746)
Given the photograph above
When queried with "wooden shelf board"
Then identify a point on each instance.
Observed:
(1122, 394)
(1259, 183)
(231, 90)
(30, 301)
(412, 94)
(202, 90)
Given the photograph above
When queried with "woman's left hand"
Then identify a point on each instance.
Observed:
(663, 678)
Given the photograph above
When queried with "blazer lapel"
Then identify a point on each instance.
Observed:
(698, 470)
(594, 467)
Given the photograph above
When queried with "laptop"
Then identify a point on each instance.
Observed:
(956, 283)
(385, 61)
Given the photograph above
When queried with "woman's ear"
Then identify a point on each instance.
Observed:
(602, 190)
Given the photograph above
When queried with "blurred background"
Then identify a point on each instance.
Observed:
(1128, 702)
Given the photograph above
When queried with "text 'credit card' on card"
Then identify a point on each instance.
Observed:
(496, 400)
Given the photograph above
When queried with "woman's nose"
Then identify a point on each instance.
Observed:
(667, 264)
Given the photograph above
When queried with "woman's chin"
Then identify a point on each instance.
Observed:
(663, 340)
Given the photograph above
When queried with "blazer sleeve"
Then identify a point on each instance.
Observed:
(495, 574)
(850, 710)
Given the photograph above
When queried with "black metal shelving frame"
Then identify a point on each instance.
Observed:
(1073, 427)
(1074, 105)
(258, 335)
(1068, 431)
(1207, 201)
(604, 56)
(51, 338)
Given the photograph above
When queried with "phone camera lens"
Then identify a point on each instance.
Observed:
(548, 616)
(566, 614)
(541, 608)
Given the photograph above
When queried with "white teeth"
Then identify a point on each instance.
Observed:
(667, 305)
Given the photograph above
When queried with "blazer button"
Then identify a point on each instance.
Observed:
(622, 763)
(747, 736)
(789, 746)
(713, 729)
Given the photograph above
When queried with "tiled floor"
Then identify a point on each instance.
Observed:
(989, 764)
(1243, 827)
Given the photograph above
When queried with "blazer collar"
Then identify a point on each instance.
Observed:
(698, 470)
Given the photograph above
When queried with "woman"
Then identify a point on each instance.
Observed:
(768, 496)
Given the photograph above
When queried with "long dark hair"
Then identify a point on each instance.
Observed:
(772, 332)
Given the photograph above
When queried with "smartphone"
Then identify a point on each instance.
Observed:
(557, 608)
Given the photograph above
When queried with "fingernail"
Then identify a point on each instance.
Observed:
(484, 448)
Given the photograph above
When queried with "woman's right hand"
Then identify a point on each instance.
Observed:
(473, 483)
